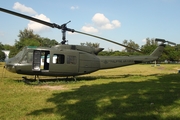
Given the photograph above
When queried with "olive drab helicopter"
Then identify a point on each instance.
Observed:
(70, 60)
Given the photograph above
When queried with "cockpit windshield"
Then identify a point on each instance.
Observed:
(26, 56)
(20, 54)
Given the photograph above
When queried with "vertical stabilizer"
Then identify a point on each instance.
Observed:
(158, 51)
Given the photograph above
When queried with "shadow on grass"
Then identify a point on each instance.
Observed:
(79, 78)
(69, 79)
(118, 100)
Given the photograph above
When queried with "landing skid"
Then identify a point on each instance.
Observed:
(74, 78)
(29, 81)
(37, 80)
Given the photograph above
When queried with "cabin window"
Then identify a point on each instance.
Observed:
(58, 59)
(71, 59)
(44, 58)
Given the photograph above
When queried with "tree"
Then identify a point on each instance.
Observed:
(170, 54)
(2, 56)
(131, 44)
(28, 38)
(150, 46)
(46, 42)
(7, 47)
(13, 51)
(1, 46)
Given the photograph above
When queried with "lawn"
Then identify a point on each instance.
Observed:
(133, 92)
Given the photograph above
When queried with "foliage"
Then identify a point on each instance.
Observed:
(13, 51)
(7, 47)
(131, 44)
(1, 46)
(170, 54)
(2, 56)
(28, 38)
(46, 42)
(149, 46)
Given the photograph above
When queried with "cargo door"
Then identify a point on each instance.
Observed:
(36, 60)
(40, 60)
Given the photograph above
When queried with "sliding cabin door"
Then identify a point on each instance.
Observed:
(40, 60)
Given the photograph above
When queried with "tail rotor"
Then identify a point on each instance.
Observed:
(164, 41)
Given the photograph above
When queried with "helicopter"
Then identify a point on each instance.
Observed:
(70, 60)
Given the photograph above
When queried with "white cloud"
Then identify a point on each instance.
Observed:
(74, 7)
(23, 8)
(144, 40)
(104, 23)
(116, 23)
(100, 22)
(107, 26)
(89, 29)
(37, 27)
(99, 19)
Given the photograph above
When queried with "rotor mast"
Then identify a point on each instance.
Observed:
(64, 29)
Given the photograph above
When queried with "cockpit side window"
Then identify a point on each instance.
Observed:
(24, 60)
(19, 55)
(28, 58)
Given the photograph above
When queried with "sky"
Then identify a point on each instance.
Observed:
(116, 20)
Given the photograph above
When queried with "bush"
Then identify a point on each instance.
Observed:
(2, 56)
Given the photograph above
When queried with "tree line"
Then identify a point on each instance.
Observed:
(27, 37)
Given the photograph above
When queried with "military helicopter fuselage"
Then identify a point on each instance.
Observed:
(69, 60)
(59, 60)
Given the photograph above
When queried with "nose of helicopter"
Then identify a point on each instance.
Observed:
(10, 66)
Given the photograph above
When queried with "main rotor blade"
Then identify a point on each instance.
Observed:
(107, 40)
(63, 27)
(31, 18)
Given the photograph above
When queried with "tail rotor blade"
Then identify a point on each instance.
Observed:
(164, 41)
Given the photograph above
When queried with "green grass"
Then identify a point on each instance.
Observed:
(133, 92)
